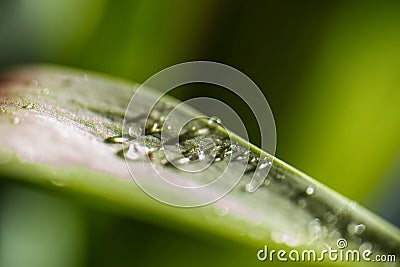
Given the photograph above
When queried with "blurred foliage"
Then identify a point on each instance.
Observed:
(329, 69)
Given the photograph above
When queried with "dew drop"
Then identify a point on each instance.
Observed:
(221, 210)
(314, 227)
(213, 121)
(132, 153)
(34, 83)
(58, 182)
(310, 190)
(302, 203)
(183, 160)
(135, 130)
(365, 246)
(329, 217)
(250, 187)
(16, 120)
(357, 229)
(45, 91)
(116, 140)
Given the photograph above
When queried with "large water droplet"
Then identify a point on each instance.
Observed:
(135, 130)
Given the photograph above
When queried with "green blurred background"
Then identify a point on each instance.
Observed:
(329, 69)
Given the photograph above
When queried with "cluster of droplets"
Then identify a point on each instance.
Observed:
(141, 142)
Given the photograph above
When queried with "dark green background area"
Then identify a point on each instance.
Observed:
(329, 69)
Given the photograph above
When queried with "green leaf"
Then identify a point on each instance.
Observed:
(61, 129)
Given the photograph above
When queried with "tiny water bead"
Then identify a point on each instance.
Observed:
(310, 190)
(45, 91)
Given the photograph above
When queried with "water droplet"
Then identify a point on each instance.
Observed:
(132, 153)
(310, 190)
(221, 210)
(250, 187)
(58, 182)
(356, 229)
(2, 110)
(34, 83)
(116, 140)
(202, 131)
(365, 246)
(329, 217)
(135, 130)
(302, 203)
(28, 106)
(16, 120)
(213, 121)
(314, 227)
(183, 160)
(359, 229)
(45, 91)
